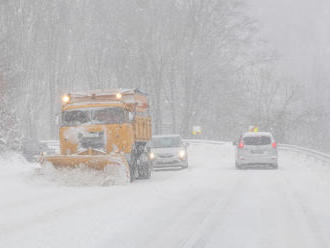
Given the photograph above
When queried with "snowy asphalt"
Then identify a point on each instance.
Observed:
(208, 205)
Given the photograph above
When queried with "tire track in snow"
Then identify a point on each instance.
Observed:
(85, 201)
(177, 217)
(200, 237)
(292, 211)
(31, 200)
(306, 213)
(208, 212)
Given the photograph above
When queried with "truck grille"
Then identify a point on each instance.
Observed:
(92, 140)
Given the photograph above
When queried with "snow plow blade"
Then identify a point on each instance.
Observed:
(114, 163)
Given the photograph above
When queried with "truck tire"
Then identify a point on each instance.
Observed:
(133, 166)
(144, 167)
(133, 172)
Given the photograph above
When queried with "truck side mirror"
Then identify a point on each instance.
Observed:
(58, 119)
(130, 116)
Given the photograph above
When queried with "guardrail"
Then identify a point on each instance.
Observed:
(200, 141)
(51, 143)
(310, 152)
(54, 144)
(293, 148)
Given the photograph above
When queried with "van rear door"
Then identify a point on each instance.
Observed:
(257, 145)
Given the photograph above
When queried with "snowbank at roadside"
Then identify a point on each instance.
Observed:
(11, 162)
(14, 169)
(81, 176)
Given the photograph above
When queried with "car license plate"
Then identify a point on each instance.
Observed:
(166, 161)
(257, 152)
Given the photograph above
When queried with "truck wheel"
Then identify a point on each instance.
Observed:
(133, 172)
(133, 164)
(144, 167)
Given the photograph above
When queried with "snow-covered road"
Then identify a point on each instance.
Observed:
(208, 205)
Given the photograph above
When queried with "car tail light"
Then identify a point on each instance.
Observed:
(241, 144)
(274, 145)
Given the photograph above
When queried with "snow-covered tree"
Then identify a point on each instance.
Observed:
(10, 130)
(200, 61)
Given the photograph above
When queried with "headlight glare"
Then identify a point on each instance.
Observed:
(118, 96)
(66, 99)
(182, 153)
(152, 155)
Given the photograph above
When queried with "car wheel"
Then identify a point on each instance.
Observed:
(275, 166)
(237, 165)
(185, 166)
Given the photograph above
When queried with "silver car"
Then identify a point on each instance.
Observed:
(168, 151)
(254, 149)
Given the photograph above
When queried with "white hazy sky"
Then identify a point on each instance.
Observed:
(299, 30)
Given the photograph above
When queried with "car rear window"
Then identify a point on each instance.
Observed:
(257, 140)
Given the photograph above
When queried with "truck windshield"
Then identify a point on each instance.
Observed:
(166, 142)
(75, 117)
(108, 116)
(94, 116)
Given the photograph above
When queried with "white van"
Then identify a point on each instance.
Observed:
(255, 149)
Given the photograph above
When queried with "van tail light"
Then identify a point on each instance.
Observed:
(274, 145)
(241, 144)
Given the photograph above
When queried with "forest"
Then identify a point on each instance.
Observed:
(201, 62)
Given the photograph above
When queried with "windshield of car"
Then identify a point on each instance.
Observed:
(94, 116)
(166, 142)
(257, 140)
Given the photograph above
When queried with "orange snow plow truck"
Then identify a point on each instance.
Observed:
(106, 131)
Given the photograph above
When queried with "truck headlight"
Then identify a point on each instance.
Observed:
(66, 99)
(182, 154)
(118, 96)
(152, 155)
